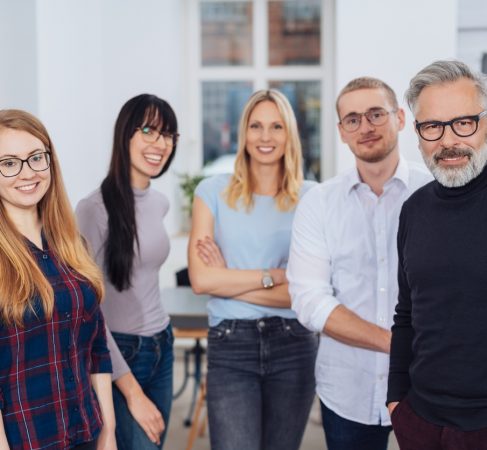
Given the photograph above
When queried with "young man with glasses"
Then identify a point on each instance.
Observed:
(437, 392)
(342, 267)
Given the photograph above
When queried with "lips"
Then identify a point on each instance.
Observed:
(452, 155)
(153, 158)
(27, 187)
(369, 139)
(265, 149)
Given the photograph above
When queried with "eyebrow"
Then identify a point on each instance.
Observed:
(368, 109)
(28, 154)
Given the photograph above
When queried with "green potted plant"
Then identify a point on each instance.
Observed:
(188, 184)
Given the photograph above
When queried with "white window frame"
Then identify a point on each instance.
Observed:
(259, 73)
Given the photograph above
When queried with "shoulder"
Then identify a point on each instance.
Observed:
(419, 175)
(306, 186)
(212, 186)
(419, 197)
(91, 205)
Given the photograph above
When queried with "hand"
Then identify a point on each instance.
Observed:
(147, 416)
(391, 407)
(210, 253)
(106, 440)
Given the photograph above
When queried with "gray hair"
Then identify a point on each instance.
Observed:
(441, 72)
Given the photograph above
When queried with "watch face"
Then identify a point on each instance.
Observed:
(267, 281)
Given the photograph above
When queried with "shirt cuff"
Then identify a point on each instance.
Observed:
(101, 363)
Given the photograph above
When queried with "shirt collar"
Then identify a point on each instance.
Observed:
(401, 174)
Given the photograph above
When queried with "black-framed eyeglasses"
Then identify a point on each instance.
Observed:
(375, 116)
(38, 162)
(151, 135)
(464, 126)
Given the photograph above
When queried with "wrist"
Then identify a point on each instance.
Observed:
(267, 279)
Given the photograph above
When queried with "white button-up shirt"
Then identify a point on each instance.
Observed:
(343, 251)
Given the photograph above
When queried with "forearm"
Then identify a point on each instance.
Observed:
(129, 386)
(102, 384)
(228, 283)
(276, 297)
(3, 437)
(347, 327)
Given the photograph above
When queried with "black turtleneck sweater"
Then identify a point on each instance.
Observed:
(439, 336)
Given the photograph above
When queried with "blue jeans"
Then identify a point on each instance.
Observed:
(151, 361)
(260, 383)
(344, 434)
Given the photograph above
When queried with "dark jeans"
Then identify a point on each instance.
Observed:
(344, 434)
(260, 383)
(151, 361)
(415, 433)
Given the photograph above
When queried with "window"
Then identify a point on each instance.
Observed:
(240, 46)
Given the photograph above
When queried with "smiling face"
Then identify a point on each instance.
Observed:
(266, 135)
(370, 143)
(147, 159)
(25, 190)
(453, 160)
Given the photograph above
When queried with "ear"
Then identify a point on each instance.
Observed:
(401, 117)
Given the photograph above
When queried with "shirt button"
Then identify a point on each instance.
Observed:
(71, 378)
(261, 324)
(44, 256)
(67, 315)
(382, 289)
(75, 409)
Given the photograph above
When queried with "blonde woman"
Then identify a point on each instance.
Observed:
(260, 359)
(53, 350)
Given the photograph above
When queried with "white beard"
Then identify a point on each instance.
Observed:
(458, 176)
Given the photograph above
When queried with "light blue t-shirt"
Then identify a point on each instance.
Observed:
(255, 239)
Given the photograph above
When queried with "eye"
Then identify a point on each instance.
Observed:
(148, 131)
(464, 123)
(8, 163)
(351, 120)
(432, 126)
(254, 126)
(38, 157)
(278, 126)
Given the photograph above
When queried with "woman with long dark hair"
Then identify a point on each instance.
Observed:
(123, 223)
(53, 348)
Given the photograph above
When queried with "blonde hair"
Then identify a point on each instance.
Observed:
(21, 278)
(241, 183)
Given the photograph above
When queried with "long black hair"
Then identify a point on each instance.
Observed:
(116, 189)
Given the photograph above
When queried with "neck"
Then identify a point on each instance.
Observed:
(28, 223)
(265, 179)
(376, 174)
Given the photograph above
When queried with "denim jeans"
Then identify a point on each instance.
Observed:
(260, 383)
(151, 361)
(344, 434)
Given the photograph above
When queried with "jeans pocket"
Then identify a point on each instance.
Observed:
(218, 333)
(128, 346)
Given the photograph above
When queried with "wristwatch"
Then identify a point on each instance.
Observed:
(267, 281)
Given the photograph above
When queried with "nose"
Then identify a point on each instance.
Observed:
(160, 141)
(26, 171)
(365, 125)
(449, 138)
(265, 135)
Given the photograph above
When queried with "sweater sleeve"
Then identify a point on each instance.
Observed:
(402, 331)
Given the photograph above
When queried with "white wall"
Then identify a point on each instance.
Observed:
(94, 56)
(391, 40)
(18, 56)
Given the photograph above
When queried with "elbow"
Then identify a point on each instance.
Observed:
(197, 284)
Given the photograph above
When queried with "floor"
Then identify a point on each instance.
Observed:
(178, 433)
